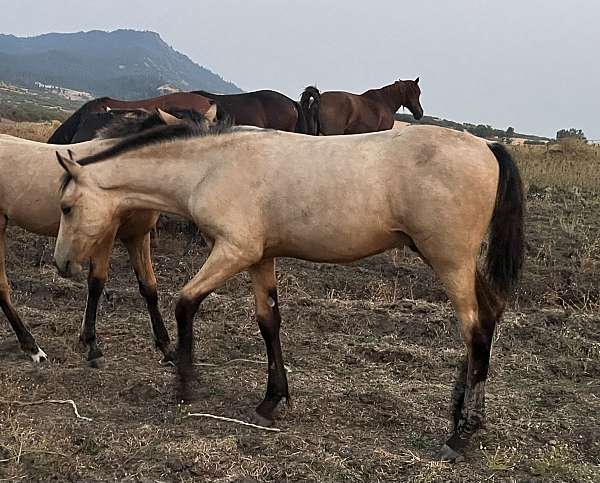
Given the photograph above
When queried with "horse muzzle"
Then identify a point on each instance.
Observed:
(417, 114)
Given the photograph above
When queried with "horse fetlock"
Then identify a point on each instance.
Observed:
(38, 356)
(95, 358)
(448, 455)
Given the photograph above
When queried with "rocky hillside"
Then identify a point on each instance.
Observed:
(123, 64)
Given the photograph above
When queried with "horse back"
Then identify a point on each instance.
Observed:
(265, 108)
(347, 113)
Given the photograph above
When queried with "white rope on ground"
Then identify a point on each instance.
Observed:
(231, 420)
(49, 401)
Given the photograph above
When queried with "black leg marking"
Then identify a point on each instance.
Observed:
(472, 387)
(26, 340)
(159, 331)
(88, 329)
(277, 385)
(184, 313)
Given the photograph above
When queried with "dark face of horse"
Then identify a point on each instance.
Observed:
(412, 100)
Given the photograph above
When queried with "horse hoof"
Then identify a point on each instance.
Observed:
(169, 359)
(97, 362)
(447, 454)
(39, 356)
(261, 420)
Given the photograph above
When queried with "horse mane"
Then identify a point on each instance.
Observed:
(138, 120)
(155, 135)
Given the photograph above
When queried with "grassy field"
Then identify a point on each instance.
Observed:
(372, 348)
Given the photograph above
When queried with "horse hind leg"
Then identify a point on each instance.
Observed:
(264, 284)
(141, 260)
(26, 340)
(478, 311)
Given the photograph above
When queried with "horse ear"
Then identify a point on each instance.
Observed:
(417, 80)
(69, 164)
(167, 118)
(211, 114)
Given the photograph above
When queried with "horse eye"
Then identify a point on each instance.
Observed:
(66, 210)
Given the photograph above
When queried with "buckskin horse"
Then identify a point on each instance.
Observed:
(338, 112)
(29, 199)
(265, 108)
(322, 199)
(66, 133)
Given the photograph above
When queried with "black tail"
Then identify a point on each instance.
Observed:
(301, 124)
(507, 246)
(309, 105)
(65, 132)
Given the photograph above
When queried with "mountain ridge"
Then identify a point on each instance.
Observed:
(123, 63)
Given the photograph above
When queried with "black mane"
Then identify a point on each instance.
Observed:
(138, 120)
(163, 133)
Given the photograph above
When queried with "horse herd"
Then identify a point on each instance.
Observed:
(257, 194)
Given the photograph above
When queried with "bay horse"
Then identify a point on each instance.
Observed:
(265, 108)
(29, 199)
(338, 112)
(66, 133)
(322, 199)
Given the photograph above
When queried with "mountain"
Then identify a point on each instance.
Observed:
(123, 64)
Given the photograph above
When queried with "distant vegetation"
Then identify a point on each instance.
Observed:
(123, 64)
(481, 130)
(20, 104)
(570, 133)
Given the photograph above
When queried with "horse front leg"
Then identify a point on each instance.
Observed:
(141, 260)
(264, 283)
(26, 340)
(97, 277)
(224, 261)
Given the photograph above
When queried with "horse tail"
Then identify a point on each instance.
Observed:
(506, 248)
(309, 104)
(65, 132)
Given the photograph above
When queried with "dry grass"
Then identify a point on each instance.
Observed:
(562, 165)
(36, 131)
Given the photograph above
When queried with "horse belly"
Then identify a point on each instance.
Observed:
(335, 243)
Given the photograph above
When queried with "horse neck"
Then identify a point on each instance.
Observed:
(153, 179)
(394, 95)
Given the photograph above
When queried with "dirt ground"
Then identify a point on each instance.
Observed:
(372, 349)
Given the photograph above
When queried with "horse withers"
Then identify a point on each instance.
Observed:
(432, 189)
(338, 112)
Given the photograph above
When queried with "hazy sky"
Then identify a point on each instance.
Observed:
(532, 64)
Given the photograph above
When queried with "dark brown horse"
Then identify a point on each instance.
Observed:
(67, 131)
(116, 123)
(266, 109)
(338, 112)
